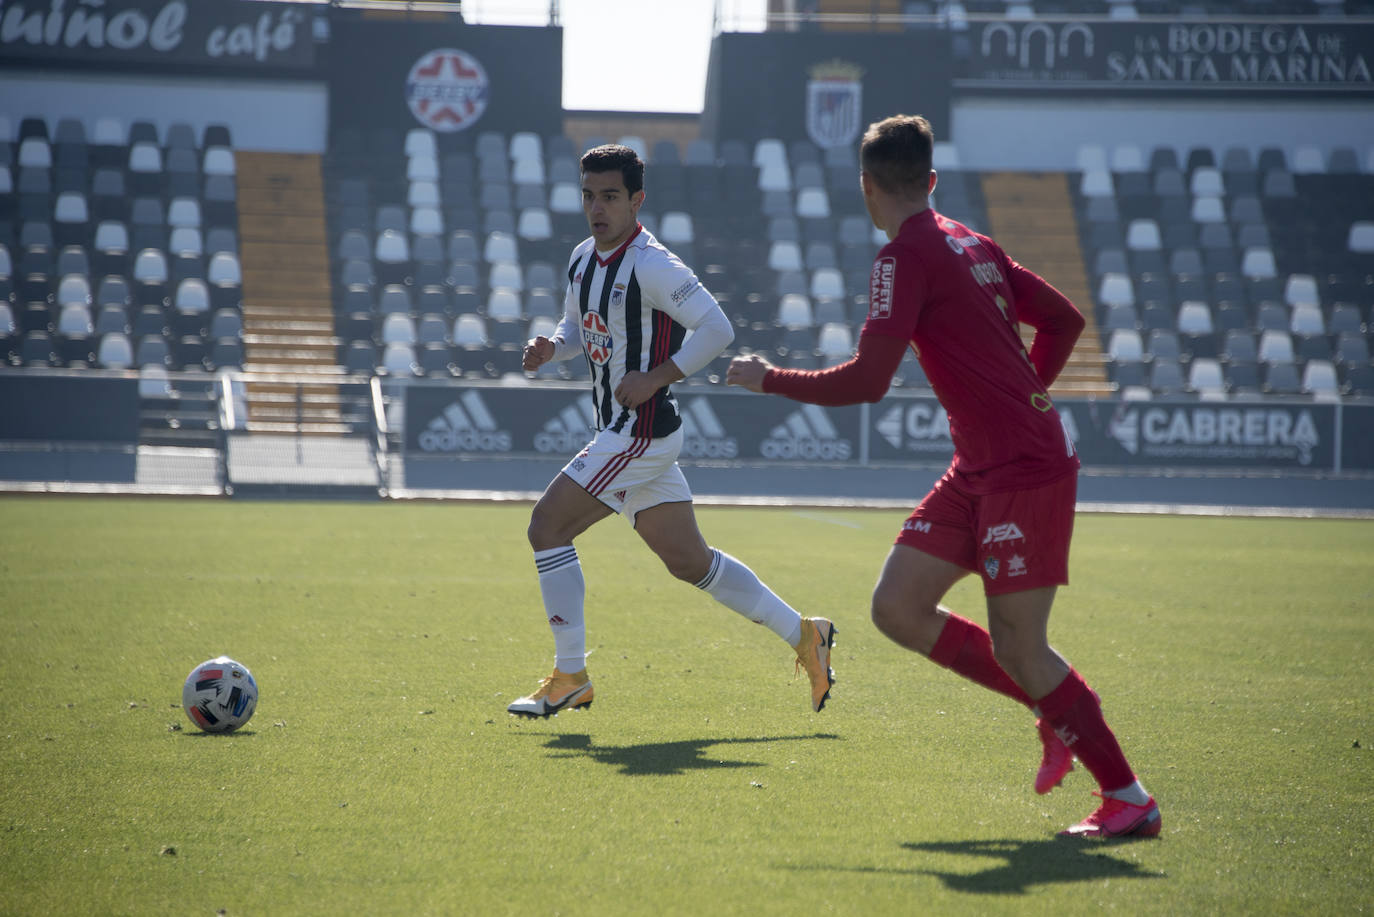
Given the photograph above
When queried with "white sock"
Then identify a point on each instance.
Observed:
(560, 582)
(736, 587)
(1134, 794)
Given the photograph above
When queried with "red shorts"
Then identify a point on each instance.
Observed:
(1015, 540)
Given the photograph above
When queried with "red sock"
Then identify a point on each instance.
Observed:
(1075, 712)
(966, 648)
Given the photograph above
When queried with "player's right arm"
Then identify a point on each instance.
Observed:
(865, 377)
(896, 291)
(566, 341)
(540, 349)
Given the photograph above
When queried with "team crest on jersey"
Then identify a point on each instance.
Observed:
(447, 90)
(617, 294)
(834, 103)
(880, 287)
(596, 337)
(992, 565)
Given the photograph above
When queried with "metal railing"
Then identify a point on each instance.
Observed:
(228, 419)
(380, 432)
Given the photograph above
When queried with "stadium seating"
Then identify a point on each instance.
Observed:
(496, 217)
(1218, 240)
(112, 229)
(116, 232)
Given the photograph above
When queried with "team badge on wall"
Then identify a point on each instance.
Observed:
(447, 90)
(834, 103)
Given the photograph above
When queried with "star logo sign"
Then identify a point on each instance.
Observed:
(596, 338)
(1016, 565)
(447, 90)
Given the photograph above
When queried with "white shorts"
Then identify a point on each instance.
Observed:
(630, 474)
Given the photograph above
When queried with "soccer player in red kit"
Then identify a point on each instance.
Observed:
(1005, 507)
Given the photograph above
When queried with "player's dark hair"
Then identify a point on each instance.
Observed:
(897, 153)
(612, 157)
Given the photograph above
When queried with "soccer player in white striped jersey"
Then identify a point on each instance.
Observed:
(629, 305)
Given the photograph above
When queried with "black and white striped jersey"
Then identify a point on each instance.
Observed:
(631, 309)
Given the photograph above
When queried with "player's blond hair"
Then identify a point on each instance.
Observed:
(897, 152)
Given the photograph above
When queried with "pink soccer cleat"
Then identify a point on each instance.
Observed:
(1057, 761)
(1117, 818)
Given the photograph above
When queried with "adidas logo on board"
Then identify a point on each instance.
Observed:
(569, 430)
(807, 434)
(465, 426)
(703, 435)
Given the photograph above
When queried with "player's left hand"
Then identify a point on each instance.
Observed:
(634, 389)
(748, 372)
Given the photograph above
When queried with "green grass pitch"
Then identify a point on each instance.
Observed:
(381, 774)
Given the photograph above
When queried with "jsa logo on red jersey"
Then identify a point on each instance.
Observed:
(880, 287)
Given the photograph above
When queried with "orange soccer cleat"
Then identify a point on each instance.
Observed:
(813, 654)
(559, 691)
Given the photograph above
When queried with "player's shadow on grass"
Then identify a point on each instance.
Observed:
(1023, 864)
(662, 758)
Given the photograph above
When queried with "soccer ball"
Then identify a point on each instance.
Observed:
(220, 695)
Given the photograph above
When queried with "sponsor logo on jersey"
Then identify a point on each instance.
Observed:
(687, 289)
(1016, 566)
(985, 273)
(880, 287)
(958, 244)
(703, 435)
(807, 434)
(568, 430)
(992, 565)
(618, 294)
(834, 103)
(916, 525)
(465, 426)
(1006, 531)
(447, 90)
(596, 338)
(619, 496)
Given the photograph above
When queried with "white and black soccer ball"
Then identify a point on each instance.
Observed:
(220, 695)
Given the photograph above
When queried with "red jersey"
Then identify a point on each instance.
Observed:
(956, 298)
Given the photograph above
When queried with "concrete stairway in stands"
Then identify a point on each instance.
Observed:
(1031, 216)
(290, 364)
